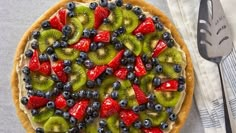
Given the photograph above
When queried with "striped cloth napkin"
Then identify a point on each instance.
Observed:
(208, 93)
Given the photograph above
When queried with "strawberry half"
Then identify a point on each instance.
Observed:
(83, 45)
(160, 47)
(109, 107)
(100, 14)
(62, 14)
(140, 95)
(128, 117)
(34, 64)
(79, 109)
(60, 102)
(36, 102)
(45, 68)
(58, 69)
(95, 72)
(56, 23)
(170, 85)
(115, 62)
(152, 130)
(103, 36)
(147, 26)
(121, 73)
(139, 67)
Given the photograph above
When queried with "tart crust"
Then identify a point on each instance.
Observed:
(186, 106)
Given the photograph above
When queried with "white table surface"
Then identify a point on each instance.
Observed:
(15, 17)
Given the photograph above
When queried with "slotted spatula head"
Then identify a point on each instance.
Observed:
(213, 34)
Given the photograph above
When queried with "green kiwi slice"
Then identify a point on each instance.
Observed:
(169, 71)
(156, 117)
(113, 123)
(85, 15)
(132, 43)
(126, 92)
(44, 114)
(91, 128)
(66, 53)
(56, 124)
(47, 37)
(42, 83)
(130, 20)
(116, 19)
(103, 55)
(134, 130)
(106, 87)
(150, 42)
(171, 55)
(77, 30)
(146, 83)
(168, 99)
(78, 77)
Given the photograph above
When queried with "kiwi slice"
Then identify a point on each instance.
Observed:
(42, 83)
(130, 20)
(44, 114)
(150, 42)
(85, 15)
(91, 128)
(156, 117)
(103, 55)
(78, 77)
(169, 71)
(56, 124)
(134, 130)
(146, 83)
(116, 18)
(171, 55)
(47, 37)
(106, 87)
(66, 53)
(168, 99)
(77, 30)
(126, 92)
(113, 123)
(132, 43)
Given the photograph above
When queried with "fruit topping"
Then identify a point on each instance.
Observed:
(58, 69)
(79, 109)
(60, 102)
(83, 45)
(115, 62)
(55, 23)
(152, 130)
(34, 64)
(140, 95)
(147, 26)
(109, 107)
(139, 67)
(35, 102)
(128, 117)
(100, 14)
(86, 16)
(102, 36)
(95, 72)
(170, 85)
(56, 124)
(160, 47)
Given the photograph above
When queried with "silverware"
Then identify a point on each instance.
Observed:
(214, 40)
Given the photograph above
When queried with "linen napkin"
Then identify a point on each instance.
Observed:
(208, 93)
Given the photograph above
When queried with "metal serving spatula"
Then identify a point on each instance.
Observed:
(214, 40)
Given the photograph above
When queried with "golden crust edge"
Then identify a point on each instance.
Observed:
(186, 106)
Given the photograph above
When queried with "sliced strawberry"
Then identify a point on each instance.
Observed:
(109, 107)
(36, 102)
(128, 117)
(79, 109)
(160, 47)
(145, 27)
(34, 64)
(56, 23)
(100, 14)
(170, 85)
(115, 62)
(62, 14)
(83, 45)
(140, 95)
(139, 67)
(58, 69)
(102, 36)
(58, 66)
(96, 71)
(121, 73)
(60, 102)
(152, 130)
(45, 68)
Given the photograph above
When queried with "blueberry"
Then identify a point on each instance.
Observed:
(64, 37)
(181, 87)
(140, 36)
(93, 5)
(166, 36)
(79, 61)
(118, 45)
(109, 71)
(66, 30)
(156, 81)
(122, 124)
(151, 97)
(58, 112)
(34, 112)
(159, 69)
(115, 34)
(147, 123)
(82, 93)
(116, 85)
(70, 102)
(93, 46)
(177, 68)
(73, 130)
(95, 94)
(70, 6)
(86, 33)
(66, 94)
(28, 86)
(64, 44)
(106, 21)
(103, 3)
(150, 105)
(131, 59)
(111, 6)
(138, 124)
(56, 44)
(169, 110)
(35, 34)
(88, 119)
(67, 86)
(71, 14)
(34, 44)
(155, 19)
(142, 17)
(148, 66)
(119, 3)
(89, 94)
(66, 115)
(158, 107)
(181, 80)
(40, 94)
(54, 77)
(131, 76)
(100, 130)
(121, 30)
(50, 50)
(100, 45)
(130, 67)
(45, 25)
(124, 61)
(67, 62)
(54, 57)
(88, 64)
(142, 107)
(123, 103)
(83, 55)
(96, 105)
(114, 40)
(159, 26)
(128, 6)
(59, 85)
(48, 94)
(135, 109)
(136, 81)
(95, 114)
(98, 81)
(137, 10)
(81, 125)
(26, 70)
(39, 130)
(43, 57)
(172, 117)
(170, 43)
(125, 130)
(31, 93)
(164, 125)
(93, 32)
(29, 53)
(26, 79)
(114, 94)
(50, 105)
(75, 96)
(90, 84)
(128, 53)
(89, 111)
(154, 61)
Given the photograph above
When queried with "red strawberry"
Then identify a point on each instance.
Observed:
(160, 47)
(121, 73)
(34, 64)
(139, 67)
(45, 68)
(115, 62)
(109, 107)
(58, 69)
(102, 36)
(60, 102)
(83, 45)
(62, 14)
(36, 102)
(56, 23)
(145, 27)
(100, 14)
(152, 130)
(170, 85)
(128, 117)
(79, 109)
(95, 72)
(140, 95)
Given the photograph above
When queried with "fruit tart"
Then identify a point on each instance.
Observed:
(102, 66)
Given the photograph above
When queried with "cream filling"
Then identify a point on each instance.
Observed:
(21, 85)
